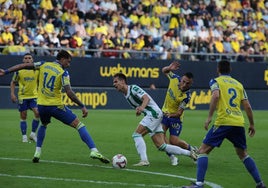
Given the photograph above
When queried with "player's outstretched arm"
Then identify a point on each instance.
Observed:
(16, 68)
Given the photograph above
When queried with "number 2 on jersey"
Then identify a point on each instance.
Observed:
(233, 94)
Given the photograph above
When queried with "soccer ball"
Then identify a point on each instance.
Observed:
(119, 161)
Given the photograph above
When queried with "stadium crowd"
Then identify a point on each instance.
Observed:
(117, 28)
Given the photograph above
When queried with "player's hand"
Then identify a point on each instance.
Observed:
(207, 122)
(2, 72)
(175, 65)
(251, 130)
(139, 110)
(13, 98)
(84, 112)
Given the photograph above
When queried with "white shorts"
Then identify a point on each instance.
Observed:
(152, 124)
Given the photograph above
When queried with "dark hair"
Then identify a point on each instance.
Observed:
(27, 54)
(63, 54)
(224, 67)
(120, 76)
(189, 75)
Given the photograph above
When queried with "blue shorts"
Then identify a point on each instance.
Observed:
(234, 134)
(173, 124)
(61, 113)
(27, 104)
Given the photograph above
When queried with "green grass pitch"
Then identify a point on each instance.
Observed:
(65, 158)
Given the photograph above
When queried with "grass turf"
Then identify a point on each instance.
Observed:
(65, 158)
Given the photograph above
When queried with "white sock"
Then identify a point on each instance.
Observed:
(94, 149)
(38, 149)
(176, 150)
(141, 148)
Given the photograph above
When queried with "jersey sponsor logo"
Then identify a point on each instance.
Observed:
(28, 79)
(136, 72)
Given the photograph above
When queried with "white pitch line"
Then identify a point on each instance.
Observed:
(83, 181)
(211, 184)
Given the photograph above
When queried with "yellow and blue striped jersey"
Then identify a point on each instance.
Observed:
(175, 98)
(231, 94)
(52, 78)
(27, 81)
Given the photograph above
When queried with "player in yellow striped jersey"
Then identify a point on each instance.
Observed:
(227, 96)
(53, 77)
(27, 95)
(177, 97)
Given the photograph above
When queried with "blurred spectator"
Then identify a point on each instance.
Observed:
(108, 51)
(70, 28)
(12, 49)
(55, 40)
(127, 42)
(95, 43)
(235, 43)
(46, 38)
(145, 20)
(66, 17)
(49, 27)
(30, 10)
(126, 20)
(227, 45)
(83, 6)
(47, 6)
(17, 12)
(134, 17)
(117, 40)
(203, 36)
(63, 38)
(6, 36)
(149, 46)
(218, 46)
(185, 9)
(165, 42)
(155, 21)
(56, 16)
(140, 9)
(68, 5)
(80, 27)
(138, 46)
(250, 51)
(42, 49)
(74, 16)
(20, 37)
(39, 37)
(30, 47)
(134, 33)
(6, 20)
(175, 11)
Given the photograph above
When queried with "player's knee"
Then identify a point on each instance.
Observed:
(79, 125)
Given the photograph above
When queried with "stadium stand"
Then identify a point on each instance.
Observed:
(164, 29)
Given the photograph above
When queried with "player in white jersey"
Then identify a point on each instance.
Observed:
(151, 123)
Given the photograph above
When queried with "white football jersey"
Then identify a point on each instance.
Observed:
(134, 98)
